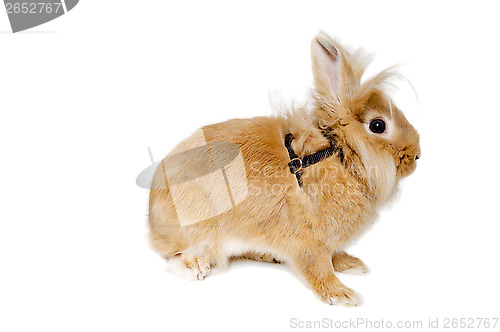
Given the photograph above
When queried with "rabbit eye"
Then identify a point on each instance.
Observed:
(377, 126)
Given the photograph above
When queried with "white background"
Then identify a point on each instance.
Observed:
(82, 97)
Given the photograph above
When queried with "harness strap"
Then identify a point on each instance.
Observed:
(296, 164)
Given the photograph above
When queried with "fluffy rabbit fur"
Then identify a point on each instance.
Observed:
(305, 227)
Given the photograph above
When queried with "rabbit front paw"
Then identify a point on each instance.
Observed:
(345, 263)
(344, 296)
(333, 292)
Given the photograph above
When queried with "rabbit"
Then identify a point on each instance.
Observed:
(293, 188)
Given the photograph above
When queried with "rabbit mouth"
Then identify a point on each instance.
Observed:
(407, 162)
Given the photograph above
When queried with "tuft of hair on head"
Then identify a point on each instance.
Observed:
(339, 76)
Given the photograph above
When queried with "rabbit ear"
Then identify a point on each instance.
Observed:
(326, 66)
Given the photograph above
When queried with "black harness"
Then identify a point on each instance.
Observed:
(296, 164)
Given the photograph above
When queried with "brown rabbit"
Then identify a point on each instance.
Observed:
(294, 188)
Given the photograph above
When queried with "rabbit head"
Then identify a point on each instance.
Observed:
(382, 144)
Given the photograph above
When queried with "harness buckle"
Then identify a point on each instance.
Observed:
(295, 165)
